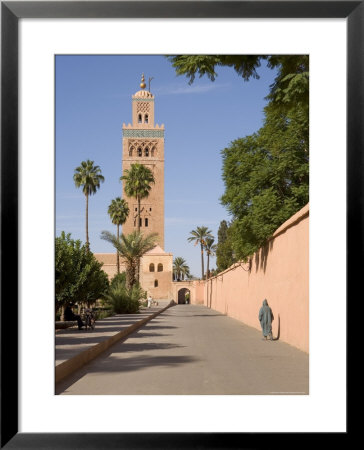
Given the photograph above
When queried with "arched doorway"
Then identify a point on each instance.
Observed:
(184, 296)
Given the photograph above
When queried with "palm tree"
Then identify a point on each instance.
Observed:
(89, 178)
(210, 251)
(118, 212)
(180, 268)
(138, 180)
(198, 236)
(131, 248)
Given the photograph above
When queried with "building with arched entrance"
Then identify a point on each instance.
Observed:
(193, 288)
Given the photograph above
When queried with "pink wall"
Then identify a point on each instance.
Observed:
(279, 272)
(199, 288)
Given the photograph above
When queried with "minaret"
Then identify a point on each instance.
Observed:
(143, 143)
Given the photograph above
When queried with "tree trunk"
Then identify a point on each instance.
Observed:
(138, 217)
(138, 270)
(207, 268)
(117, 252)
(87, 240)
(138, 229)
(202, 265)
(62, 313)
(130, 275)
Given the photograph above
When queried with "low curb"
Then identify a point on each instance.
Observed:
(66, 368)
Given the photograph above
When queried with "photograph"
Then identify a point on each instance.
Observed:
(181, 200)
(181, 224)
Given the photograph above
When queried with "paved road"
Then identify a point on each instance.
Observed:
(193, 350)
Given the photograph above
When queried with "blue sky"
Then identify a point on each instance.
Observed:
(93, 99)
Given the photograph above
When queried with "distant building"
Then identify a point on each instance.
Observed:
(143, 143)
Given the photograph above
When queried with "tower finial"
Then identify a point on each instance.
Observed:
(142, 84)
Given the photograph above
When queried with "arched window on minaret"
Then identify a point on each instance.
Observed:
(131, 151)
(146, 151)
(146, 221)
(140, 152)
(139, 118)
(160, 267)
(152, 152)
(146, 118)
(151, 267)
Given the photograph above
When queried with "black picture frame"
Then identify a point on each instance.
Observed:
(11, 12)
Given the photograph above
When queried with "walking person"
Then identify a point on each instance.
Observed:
(265, 318)
(149, 301)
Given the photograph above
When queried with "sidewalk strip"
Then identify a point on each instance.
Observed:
(66, 368)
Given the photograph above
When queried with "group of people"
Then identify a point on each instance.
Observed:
(69, 315)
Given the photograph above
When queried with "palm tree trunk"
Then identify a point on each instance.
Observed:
(202, 265)
(138, 229)
(138, 218)
(208, 263)
(130, 275)
(87, 240)
(117, 252)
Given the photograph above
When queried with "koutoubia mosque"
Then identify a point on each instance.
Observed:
(143, 143)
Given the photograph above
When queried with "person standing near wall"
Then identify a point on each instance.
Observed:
(265, 318)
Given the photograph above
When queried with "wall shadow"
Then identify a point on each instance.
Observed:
(261, 256)
(279, 330)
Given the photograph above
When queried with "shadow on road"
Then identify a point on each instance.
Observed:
(158, 327)
(202, 315)
(120, 364)
(143, 335)
(112, 361)
(147, 346)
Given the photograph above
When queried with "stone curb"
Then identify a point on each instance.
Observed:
(76, 362)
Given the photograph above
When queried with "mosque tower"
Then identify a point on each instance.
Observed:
(143, 143)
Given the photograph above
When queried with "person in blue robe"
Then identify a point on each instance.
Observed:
(265, 318)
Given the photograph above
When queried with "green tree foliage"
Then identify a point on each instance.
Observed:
(266, 178)
(78, 275)
(199, 236)
(123, 300)
(138, 183)
(118, 278)
(266, 174)
(224, 250)
(89, 178)
(118, 211)
(290, 87)
(131, 248)
(180, 269)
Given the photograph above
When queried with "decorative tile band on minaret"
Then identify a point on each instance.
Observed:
(143, 133)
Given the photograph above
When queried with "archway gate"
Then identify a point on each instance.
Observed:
(183, 286)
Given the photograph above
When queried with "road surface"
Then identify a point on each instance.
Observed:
(191, 349)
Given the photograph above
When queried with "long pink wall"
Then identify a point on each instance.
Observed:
(279, 272)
